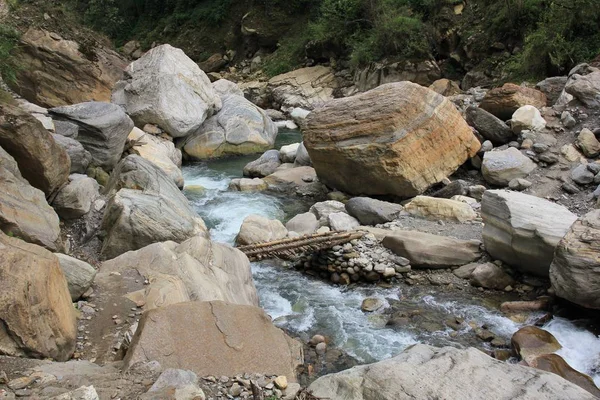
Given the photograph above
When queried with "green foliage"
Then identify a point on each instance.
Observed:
(287, 56)
(8, 43)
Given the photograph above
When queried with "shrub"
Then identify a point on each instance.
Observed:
(8, 42)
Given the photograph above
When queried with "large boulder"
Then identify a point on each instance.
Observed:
(263, 166)
(489, 126)
(305, 223)
(239, 128)
(145, 207)
(467, 374)
(292, 179)
(574, 271)
(166, 88)
(215, 338)
(36, 313)
(530, 342)
(557, 365)
(43, 162)
(371, 211)
(160, 152)
(103, 130)
(307, 88)
(585, 88)
(75, 199)
(502, 166)
(552, 88)
(425, 250)
(24, 211)
(259, 229)
(79, 275)
(523, 230)
(440, 209)
(505, 100)
(79, 156)
(195, 270)
(490, 276)
(401, 139)
(56, 72)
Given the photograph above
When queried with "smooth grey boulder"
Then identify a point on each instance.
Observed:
(265, 165)
(585, 88)
(75, 199)
(523, 230)
(468, 374)
(371, 211)
(302, 157)
(324, 208)
(239, 128)
(342, 222)
(79, 274)
(575, 269)
(501, 167)
(24, 212)
(490, 276)
(166, 88)
(223, 87)
(303, 224)
(103, 129)
(259, 229)
(288, 153)
(582, 175)
(80, 157)
(552, 87)
(425, 250)
(489, 126)
(145, 207)
(66, 128)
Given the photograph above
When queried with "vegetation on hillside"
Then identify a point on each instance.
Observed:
(8, 62)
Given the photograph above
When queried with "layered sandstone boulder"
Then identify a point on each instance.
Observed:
(397, 139)
(504, 101)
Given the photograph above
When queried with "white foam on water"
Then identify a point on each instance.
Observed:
(580, 347)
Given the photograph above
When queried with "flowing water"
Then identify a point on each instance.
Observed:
(306, 306)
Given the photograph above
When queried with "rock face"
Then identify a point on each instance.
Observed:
(79, 275)
(36, 313)
(502, 166)
(401, 139)
(24, 211)
(504, 101)
(197, 269)
(372, 212)
(239, 128)
(264, 165)
(42, 161)
(424, 73)
(146, 207)
(425, 250)
(56, 73)
(219, 339)
(523, 230)
(305, 88)
(259, 229)
(585, 88)
(489, 126)
(468, 374)
(440, 209)
(159, 152)
(79, 156)
(75, 199)
(573, 271)
(103, 130)
(166, 88)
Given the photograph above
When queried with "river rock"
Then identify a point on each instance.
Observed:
(587, 142)
(248, 185)
(103, 130)
(552, 87)
(36, 312)
(223, 87)
(527, 118)
(322, 210)
(585, 88)
(381, 149)
(468, 374)
(24, 212)
(291, 180)
(452, 189)
(79, 156)
(79, 275)
(82, 393)
(166, 88)
(491, 276)
(303, 224)
(530, 342)
(224, 340)
(263, 166)
(489, 126)
(371, 211)
(446, 87)
(160, 152)
(302, 157)
(305, 87)
(574, 270)
(342, 222)
(145, 207)
(557, 365)
(466, 271)
(440, 209)
(371, 304)
(288, 153)
(425, 250)
(43, 162)
(75, 199)
(502, 166)
(239, 128)
(582, 175)
(504, 101)
(259, 229)
(58, 73)
(196, 269)
(523, 230)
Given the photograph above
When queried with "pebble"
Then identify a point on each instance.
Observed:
(281, 382)
(321, 348)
